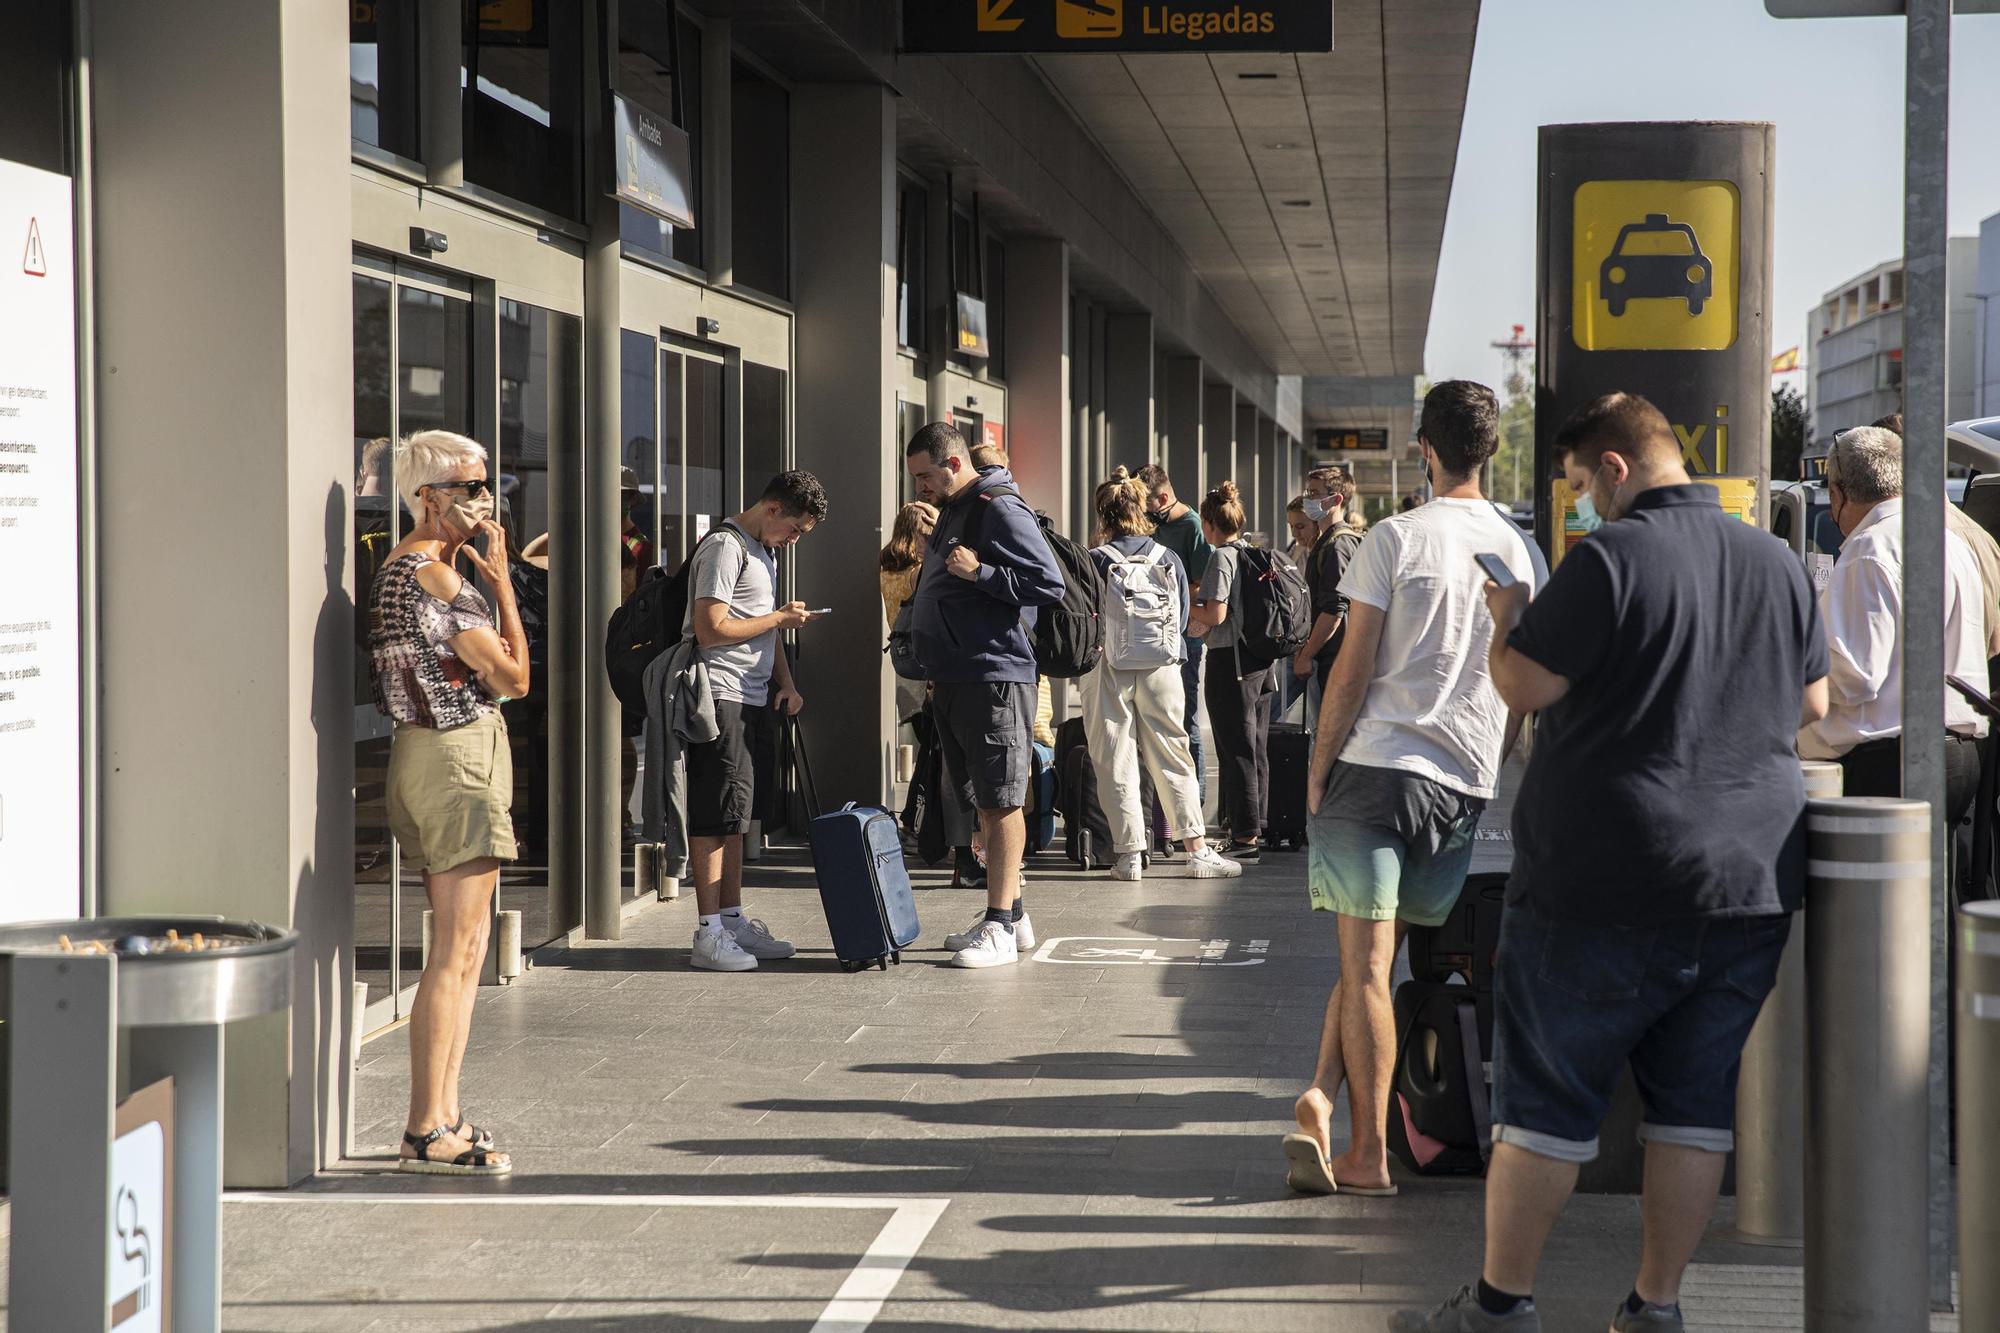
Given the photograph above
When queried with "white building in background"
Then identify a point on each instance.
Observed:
(1986, 323)
(1854, 340)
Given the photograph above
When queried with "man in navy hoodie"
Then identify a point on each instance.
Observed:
(987, 567)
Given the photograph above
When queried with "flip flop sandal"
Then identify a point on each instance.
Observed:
(1371, 1191)
(1309, 1172)
(471, 1162)
(473, 1134)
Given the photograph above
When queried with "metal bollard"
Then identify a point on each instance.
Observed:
(1867, 920)
(1978, 1051)
(1771, 1091)
(508, 942)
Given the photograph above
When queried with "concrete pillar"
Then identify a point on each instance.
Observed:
(1246, 463)
(1038, 370)
(941, 286)
(224, 392)
(1128, 391)
(1218, 403)
(1181, 391)
(1083, 415)
(844, 159)
(1273, 487)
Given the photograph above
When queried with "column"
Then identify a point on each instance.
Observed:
(225, 332)
(1274, 488)
(1181, 390)
(1218, 403)
(1246, 463)
(1038, 370)
(1128, 391)
(844, 159)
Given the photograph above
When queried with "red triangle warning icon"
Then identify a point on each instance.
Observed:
(33, 262)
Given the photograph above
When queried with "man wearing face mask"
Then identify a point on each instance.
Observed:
(1659, 850)
(1329, 493)
(1863, 728)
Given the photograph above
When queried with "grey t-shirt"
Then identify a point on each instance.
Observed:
(1216, 586)
(744, 575)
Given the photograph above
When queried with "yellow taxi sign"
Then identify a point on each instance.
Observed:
(1655, 265)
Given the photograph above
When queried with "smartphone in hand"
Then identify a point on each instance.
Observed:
(1975, 696)
(1496, 569)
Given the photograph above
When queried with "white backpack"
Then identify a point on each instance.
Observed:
(1142, 610)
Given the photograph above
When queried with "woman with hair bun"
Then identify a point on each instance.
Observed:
(1133, 701)
(1237, 686)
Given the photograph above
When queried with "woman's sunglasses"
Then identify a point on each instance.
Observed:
(473, 489)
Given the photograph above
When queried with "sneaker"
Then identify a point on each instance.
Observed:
(1024, 934)
(991, 945)
(1211, 864)
(755, 939)
(1243, 851)
(1463, 1314)
(716, 950)
(1129, 865)
(1648, 1318)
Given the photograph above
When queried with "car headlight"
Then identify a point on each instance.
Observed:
(1615, 275)
(1696, 273)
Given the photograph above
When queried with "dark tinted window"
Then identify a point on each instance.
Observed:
(764, 414)
(996, 308)
(967, 277)
(646, 76)
(912, 205)
(382, 75)
(761, 131)
(34, 87)
(522, 75)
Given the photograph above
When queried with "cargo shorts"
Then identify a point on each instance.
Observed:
(985, 728)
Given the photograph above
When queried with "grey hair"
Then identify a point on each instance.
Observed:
(1868, 463)
(430, 456)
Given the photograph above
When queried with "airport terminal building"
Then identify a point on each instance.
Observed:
(649, 254)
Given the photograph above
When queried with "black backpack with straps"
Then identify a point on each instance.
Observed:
(1276, 611)
(1069, 634)
(649, 624)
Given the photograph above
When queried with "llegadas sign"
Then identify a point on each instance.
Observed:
(1116, 25)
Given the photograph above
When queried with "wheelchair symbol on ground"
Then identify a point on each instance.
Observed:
(1147, 951)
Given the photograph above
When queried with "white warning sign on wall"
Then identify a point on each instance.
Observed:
(33, 262)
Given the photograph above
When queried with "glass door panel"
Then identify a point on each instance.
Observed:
(375, 523)
(673, 473)
(713, 486)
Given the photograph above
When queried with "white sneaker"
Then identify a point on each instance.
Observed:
(1211, 864)
(755, 939)
(991, 945)
(1024, 933)
(1129, 865)
(716, 950)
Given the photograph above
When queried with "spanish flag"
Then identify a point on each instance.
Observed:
(1784, 363)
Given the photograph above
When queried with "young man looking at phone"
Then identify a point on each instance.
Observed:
(735, 619)
(1407, 753)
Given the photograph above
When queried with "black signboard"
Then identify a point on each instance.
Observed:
(1351, 439)
(1117, 25)
(654, 169)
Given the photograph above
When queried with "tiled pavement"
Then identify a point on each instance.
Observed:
(1098, 1129)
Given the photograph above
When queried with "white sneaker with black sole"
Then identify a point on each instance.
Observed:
(1211, 864)
(755, 939)
(1024, 933)
(1129, 865)
(991, 945)
(716, 950)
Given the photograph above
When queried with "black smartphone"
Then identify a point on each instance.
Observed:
(1977, 697)
(1496, 569)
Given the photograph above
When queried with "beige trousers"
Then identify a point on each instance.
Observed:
(1130, 717)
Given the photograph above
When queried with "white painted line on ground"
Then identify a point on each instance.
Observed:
(852, 1309)
(1138, 951)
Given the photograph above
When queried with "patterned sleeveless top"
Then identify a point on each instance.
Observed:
(418, 678)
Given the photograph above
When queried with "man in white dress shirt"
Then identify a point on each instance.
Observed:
(1863, 607)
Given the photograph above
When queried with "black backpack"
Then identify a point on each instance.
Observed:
(648, 624)
(1069, 635)
(1276, 612)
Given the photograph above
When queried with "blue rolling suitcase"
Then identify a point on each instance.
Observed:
(1041, 798)
(864, 886)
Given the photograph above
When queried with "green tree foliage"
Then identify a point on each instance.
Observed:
(1788, 432)
(1512, 475)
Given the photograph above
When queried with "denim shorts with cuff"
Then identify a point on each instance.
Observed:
(1575, 1001)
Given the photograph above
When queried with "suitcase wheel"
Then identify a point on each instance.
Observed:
(846, 966)
(896, 958)
(882, 963)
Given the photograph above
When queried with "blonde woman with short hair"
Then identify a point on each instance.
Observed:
(443, 662)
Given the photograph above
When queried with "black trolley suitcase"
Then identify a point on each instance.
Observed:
(1288, 753)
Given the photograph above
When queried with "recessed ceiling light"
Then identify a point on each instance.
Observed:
(1312, 245)
(1298, 203)
(1259, 75)
(1281, 145)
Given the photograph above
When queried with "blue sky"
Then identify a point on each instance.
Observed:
(1833, 87)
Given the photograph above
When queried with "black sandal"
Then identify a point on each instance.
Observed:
(473, 1134)
(471, 1162)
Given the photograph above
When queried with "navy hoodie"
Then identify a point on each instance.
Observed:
(971, 629)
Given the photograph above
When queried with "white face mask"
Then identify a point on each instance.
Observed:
(1317, 510)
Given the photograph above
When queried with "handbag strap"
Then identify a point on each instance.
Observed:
(1475, 1076)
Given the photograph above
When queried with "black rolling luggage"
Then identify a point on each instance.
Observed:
(1289, 754)
(1439, 1121)
(1086, 832)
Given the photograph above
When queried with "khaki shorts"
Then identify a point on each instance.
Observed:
(449, 793)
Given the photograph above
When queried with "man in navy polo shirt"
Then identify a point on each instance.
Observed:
(1659, 841)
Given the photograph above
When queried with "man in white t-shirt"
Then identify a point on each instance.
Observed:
(1406, 754)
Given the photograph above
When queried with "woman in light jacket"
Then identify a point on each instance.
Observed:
(1134, 702)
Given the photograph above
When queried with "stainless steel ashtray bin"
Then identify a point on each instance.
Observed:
(115, 1175)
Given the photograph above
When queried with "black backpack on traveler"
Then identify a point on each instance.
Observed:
(1069, 635)
(648, 624)
(1276, 615)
